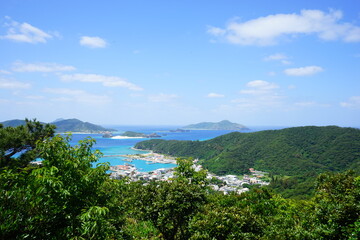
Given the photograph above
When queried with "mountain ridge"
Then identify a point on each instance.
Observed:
(65, 125)
(222, 125)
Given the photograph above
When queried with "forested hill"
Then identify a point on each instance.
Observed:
(75, 125)
(300, 152)
(223, 125)
(65, 125)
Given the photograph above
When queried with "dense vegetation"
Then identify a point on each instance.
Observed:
(292, 156)
(67, 198)
(223, 125)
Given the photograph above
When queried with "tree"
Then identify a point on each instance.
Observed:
(66, 198)
(338, 205)
(18, 144)
(169, 206)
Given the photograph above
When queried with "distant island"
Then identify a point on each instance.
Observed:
(131, 134)
(65, 125)
(179, 130)
(223, 125)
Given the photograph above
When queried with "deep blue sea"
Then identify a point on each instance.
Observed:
(124, 146)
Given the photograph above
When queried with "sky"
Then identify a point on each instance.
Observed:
(132, 62)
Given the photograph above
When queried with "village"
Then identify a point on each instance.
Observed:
(225, 184)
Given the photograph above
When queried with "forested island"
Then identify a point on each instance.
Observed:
(67, 196)
(223, 125)
(65, 125)
(293, 156)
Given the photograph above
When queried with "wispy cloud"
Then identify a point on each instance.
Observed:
(93, 42)
(107, 81)
(12, 84)
(353, 102)
(4, 72)
(258, 94)
(269, 30)
(215, 95)
(278, 57)
(40, 67)
(24, 32)
(310, 104)
(79, 96)
(259, 87)
(303, 71)
(162, 97)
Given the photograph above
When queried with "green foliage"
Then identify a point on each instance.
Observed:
(65, 198)
(18, 144)
(69, 198)
(338, 205)
(169, 206)
(299, 153)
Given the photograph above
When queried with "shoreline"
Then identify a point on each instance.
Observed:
(151, 157)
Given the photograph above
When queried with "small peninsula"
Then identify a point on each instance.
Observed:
(223, 125)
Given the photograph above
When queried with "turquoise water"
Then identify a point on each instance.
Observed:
(124, 146)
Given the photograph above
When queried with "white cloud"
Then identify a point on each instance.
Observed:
(305, 104)
(259, 87)
(35, 97)
(107, 81)
(93, 42)
(278, 57)
(259, 94)
(4, 72)
(303, 71)
(162, 97)
(216, 31)
(270, 29)
(215, 95)
(24, 32)
(310, 104)
(353, 102)
(11, 84)
(79, 96)
(40, 67)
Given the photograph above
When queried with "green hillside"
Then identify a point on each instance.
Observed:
(293, 156)
(75, 125)
(223, 125)
(64, 125)
(13, 123)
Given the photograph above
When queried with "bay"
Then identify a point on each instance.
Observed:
(112, 148)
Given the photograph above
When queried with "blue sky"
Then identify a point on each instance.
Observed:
(179, 62)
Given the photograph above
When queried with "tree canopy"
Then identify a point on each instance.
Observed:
(69, 196)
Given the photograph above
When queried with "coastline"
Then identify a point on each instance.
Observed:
(151, 157)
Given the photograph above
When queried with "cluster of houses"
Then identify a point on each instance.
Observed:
(225, 184)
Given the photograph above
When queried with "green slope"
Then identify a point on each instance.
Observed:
(75, 125)
(65, 125)
(13, 123)
(301, 152)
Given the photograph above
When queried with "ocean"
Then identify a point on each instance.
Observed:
(110, 147)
